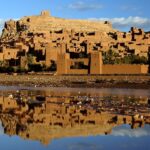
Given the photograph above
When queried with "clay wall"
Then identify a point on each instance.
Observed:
(62, 63)
(1, 53)
(124, 69)
(144, 68)
(78, 71)
(1, 57)
(10, 53)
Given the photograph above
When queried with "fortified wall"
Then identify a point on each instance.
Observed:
(95, 66)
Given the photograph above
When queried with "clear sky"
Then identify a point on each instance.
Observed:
(122, 13)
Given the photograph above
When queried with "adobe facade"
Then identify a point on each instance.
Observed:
(75, 46)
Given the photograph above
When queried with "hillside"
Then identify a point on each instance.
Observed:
(37, 40)
(45, 23)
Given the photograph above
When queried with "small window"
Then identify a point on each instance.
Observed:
(28, 20)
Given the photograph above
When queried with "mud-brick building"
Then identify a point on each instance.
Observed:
(74, 46)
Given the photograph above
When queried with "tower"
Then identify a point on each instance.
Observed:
(96, 63)
(45, 13)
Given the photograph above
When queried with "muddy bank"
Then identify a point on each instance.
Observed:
(38, 80)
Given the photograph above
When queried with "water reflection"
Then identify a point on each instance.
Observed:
(125, 130)
(45, 115)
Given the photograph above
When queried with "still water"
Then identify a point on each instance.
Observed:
(71, 119)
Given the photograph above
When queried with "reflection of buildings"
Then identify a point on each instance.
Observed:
(48, 118)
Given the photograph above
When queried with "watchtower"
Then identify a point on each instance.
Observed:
(45, 13)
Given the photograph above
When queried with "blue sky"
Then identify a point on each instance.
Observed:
(123, 14)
